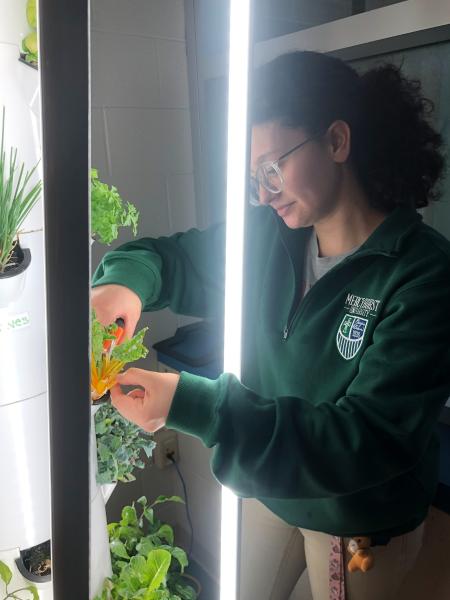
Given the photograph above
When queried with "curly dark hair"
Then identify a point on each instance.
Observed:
(395, 152)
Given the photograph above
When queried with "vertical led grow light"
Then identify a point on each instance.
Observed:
(236, 194)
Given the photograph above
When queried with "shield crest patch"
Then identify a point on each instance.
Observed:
(350, 335)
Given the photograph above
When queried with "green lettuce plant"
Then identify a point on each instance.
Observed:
(120, 445)
(108, 211)
(17, 198)
(146, 563)
(6, 576)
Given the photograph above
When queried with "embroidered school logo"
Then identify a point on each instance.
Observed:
(350, 335)
(363, 307)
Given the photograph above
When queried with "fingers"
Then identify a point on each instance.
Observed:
(128, 405)
(148, 407)
(118, 398)
(102, 309)
(135, 377)
(134, 405)
(129, 327)
(138, 393)
(103, 316)
(112, 302)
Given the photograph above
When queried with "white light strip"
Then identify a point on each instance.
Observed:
(236, 182)
(236, 192)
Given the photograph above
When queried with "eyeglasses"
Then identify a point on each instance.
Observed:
(269, 176)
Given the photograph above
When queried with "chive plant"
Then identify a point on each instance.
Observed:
(17, 198)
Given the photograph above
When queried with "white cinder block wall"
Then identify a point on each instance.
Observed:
(141, 143)
(141, 139)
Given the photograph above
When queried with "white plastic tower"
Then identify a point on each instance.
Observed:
(25, 511)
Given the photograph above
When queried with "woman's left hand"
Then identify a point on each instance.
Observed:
(148, 406)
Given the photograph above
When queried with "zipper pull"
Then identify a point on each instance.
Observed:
(285, 332)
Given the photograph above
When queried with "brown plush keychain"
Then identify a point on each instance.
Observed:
(362, 557)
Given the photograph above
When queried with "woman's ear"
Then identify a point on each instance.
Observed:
(339, 140)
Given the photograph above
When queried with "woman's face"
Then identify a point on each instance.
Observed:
(312, 174)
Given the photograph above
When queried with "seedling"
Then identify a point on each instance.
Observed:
(29, 592)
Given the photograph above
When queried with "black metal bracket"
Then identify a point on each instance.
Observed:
(64, 68)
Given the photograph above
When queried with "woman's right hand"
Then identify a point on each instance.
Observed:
(112, 302)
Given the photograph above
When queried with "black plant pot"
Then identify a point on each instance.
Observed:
(19, 262)
(22, 59)
(32, 563)
(103, 399)
(12, 280)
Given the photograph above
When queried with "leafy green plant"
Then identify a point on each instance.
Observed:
(146, 564)
(119, 446)
(30, 47)
(30, 41)
(31, 14)
(108, 211)
(119, 442)
(15, 202)
(131, 350)
(6, 576)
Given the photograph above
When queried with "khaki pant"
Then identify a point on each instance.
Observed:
(275, 554)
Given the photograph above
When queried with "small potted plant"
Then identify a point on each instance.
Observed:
(17, 198)
(29, 53)
(119, 442)
(35, 563)
(146, 563)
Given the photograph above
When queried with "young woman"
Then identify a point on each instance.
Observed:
(330, 434)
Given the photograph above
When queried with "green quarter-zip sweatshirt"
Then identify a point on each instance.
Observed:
(333, 424)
